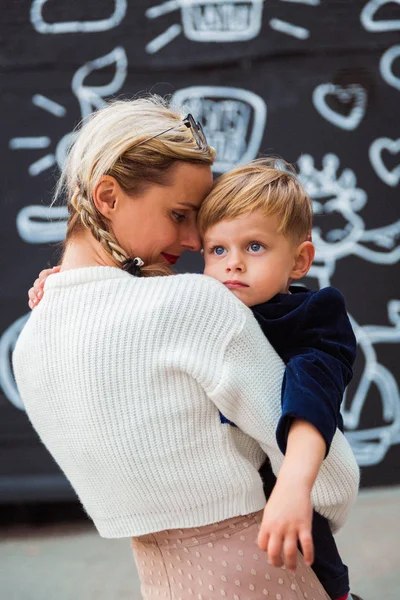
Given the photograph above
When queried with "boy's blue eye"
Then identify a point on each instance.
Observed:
(255, 247)
(218, 250)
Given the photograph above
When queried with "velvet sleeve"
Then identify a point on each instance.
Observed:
(319, 366)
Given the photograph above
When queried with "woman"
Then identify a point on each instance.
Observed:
(123, 377)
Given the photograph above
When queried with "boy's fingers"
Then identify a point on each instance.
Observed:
(42, 275)
(307, 546)
(46, 272)
(274, 550)
(263, 539)
(290, 551)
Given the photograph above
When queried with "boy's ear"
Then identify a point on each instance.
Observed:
(303, 260)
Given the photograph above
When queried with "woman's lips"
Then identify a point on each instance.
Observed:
(171, 258)
(234, 285)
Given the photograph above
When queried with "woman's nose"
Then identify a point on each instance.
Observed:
(191, 240)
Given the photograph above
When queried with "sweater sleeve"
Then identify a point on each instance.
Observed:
(248, 394)
(320, 367)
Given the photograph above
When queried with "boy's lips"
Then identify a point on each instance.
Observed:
(171, 258)
(233, 284)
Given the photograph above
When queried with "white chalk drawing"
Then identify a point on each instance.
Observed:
(39, 142)
(354, 94)
(371, 445)
(335, 194)
(378, 25)
(219, 21)
(392, 177)
(31, 143)
(234, 121)
(42, 26)
(301, 33)
(90, 98)
(37, 224)
(311, 2)
(7, 345)
(386, 66)
(52, 107)
(42, 224)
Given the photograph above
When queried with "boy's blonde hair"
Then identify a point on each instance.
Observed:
(266, 184)
(110, 142)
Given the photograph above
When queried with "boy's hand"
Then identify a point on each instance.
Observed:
(288, 514)
(287, 519)
(35, 293)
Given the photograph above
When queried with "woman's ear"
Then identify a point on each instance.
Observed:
(303, 260)
(105, 196)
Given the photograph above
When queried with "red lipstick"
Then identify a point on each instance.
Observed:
(171, 258)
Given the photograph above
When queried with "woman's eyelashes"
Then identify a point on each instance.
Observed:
(178, 217)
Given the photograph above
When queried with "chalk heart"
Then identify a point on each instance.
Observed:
(352, 94)
(392, 177)
(371, 24)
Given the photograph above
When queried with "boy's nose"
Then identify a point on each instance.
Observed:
(235, 265)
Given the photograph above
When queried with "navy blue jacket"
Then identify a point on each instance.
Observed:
(312, 334)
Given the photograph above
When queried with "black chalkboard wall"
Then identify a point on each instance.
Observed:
(317, 82)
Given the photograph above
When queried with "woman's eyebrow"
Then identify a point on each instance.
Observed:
(189, 205)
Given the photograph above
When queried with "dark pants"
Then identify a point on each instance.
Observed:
(328, 565)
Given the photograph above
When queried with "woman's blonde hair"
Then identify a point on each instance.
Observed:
(266, 184)
(109, 143)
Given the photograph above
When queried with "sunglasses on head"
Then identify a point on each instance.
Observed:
(195, 127)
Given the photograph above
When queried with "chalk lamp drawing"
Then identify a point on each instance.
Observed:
(353, 93)
(390, 177)
(335, 194)
(38, 224)
(234, 121)
(378, 25)
(89, 98)
(42, 26)
(219, 21)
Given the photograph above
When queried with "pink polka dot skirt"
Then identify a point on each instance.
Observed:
(218, 562)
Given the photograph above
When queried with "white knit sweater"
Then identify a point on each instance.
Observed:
(123, 379)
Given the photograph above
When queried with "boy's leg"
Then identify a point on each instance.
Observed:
(328, 565)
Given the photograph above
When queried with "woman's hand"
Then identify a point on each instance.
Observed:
(287, 519)
(35, 293)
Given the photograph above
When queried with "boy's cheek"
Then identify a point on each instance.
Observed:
(211, 271)
(207, 270)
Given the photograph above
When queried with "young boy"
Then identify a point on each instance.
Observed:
(256, 231)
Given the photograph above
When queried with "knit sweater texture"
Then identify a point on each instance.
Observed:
(123, 378)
